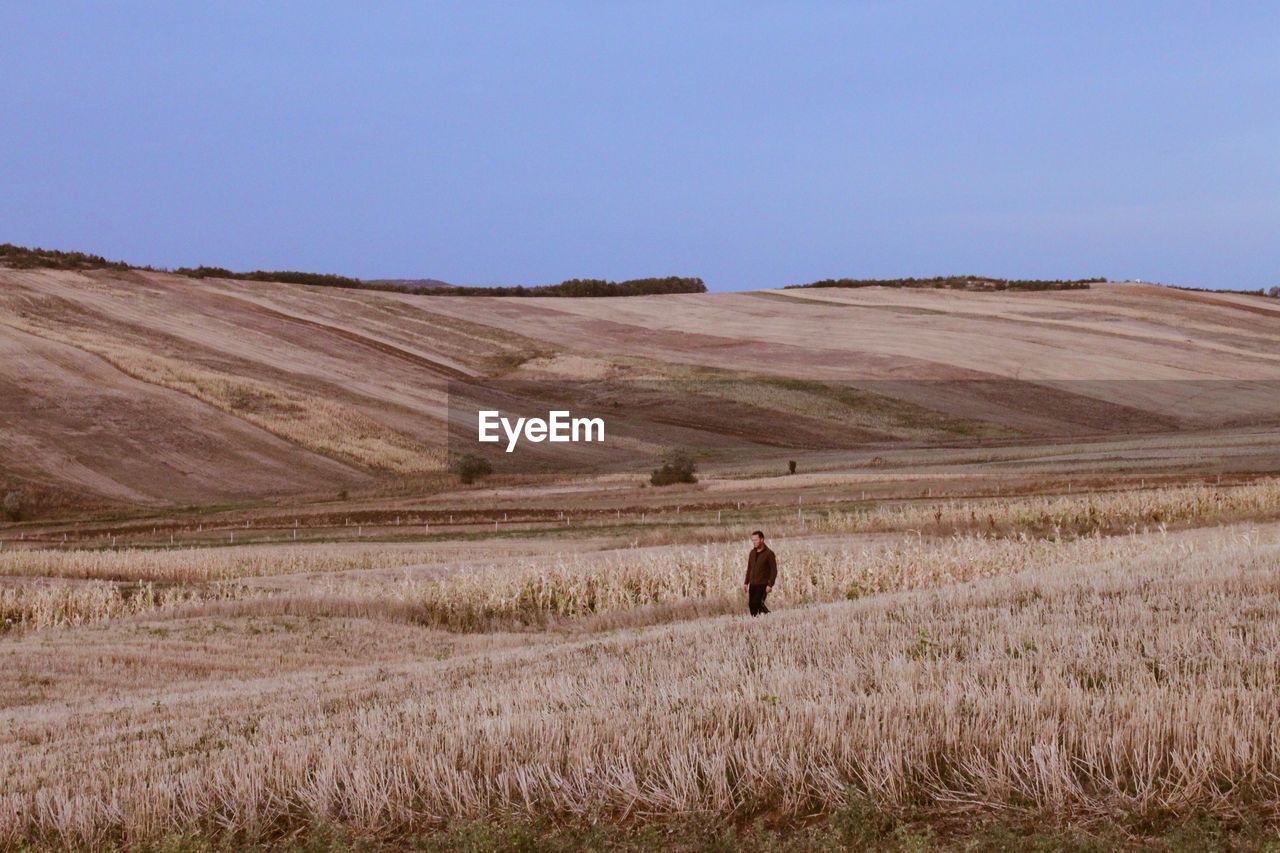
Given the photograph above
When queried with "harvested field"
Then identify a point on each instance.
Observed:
(1122, 685)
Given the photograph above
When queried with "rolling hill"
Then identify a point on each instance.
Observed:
(136, 387)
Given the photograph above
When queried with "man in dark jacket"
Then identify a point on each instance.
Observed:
(762, 571)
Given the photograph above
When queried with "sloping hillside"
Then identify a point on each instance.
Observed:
(144, 387)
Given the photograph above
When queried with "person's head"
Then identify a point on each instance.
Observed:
(757, 539)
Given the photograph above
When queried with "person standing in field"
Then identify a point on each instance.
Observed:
(762, 571)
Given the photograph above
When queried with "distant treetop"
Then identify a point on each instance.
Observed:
(586, 287)
(286, 276)
(958, 282)
(21, 257)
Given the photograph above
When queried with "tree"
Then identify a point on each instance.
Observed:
(791, 467)
(678, 467)
(1274, 292)
(470, 468)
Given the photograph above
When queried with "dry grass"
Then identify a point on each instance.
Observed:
(523, 593)
(1035, 670)
(582, 585)
(52, 605)
(1012, 535)
(193, 565)
(1064, 516)
(1134, 687)
(516, 594)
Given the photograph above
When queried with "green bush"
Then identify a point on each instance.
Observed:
(678, 467)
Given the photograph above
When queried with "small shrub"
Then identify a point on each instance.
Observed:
(12, 505)
(470, 468)
(791, 467)
(678, 467)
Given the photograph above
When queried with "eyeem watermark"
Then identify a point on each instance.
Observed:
(558, 426)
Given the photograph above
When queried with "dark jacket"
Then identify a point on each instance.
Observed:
(762, 567)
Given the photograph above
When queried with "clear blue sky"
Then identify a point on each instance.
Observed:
(754, 144)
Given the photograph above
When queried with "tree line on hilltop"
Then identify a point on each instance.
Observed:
(586, 287)
(958, 282)
(22, 257)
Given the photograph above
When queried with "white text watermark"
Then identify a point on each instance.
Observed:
(558, 426)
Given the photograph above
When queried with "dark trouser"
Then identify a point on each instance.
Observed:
(755, 598)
